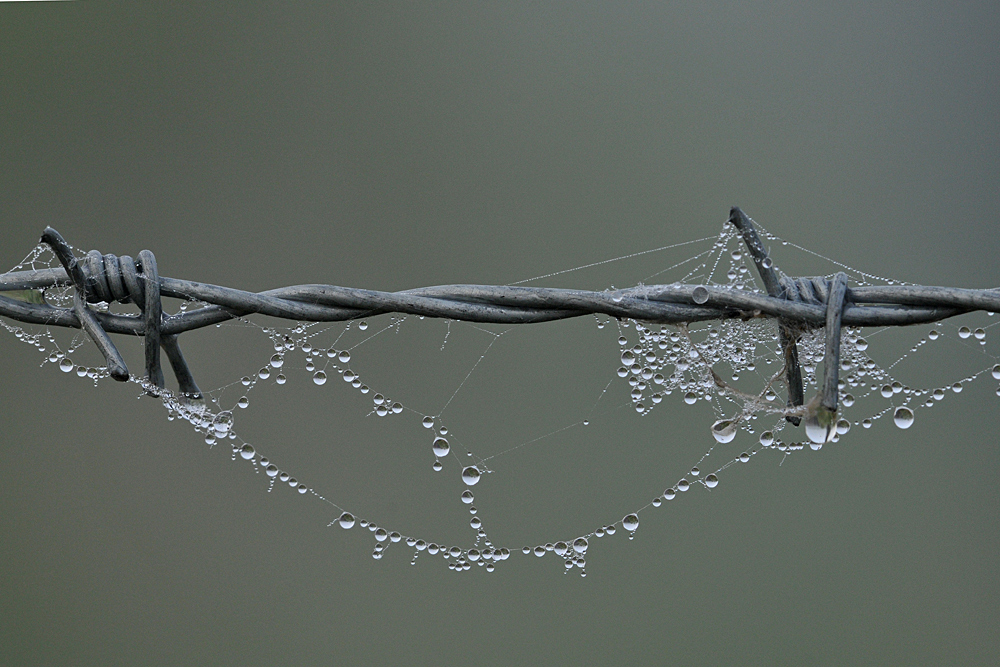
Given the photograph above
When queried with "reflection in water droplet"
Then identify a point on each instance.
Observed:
(470, 475)
(683, 485)
(381, 535)
(302, 488)
(580, 545)
(346, 520)
(467, 497)
(711, 481)
(843, 426)
(766, 438)
(65, 365)
(243, 402)
(700, 295)
(669, 494)
(247, 452)
(277, 361)
(767, 263)
(319, 377)
(363, 326)
(630, 522)
(903, 417)
(724, 430)
(428, 422)
(690, 398)
(281, 379)
(440, 447)
(964, 332)
(996, 372)
(862, 344)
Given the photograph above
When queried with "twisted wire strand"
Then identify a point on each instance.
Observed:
(798, 304)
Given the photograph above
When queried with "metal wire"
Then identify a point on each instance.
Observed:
(799, 304)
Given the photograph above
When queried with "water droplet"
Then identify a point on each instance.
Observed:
(683, 485)
(271, 470)
(630, 522)
(711, 481)
(467, 497)
(843, 426)
(862, 344)
(440, 447)
(437, 466)
(724, 430)
(767, 263)
(302, 488)
(669, 494)
(957, 387)
(744, 457)
(264, 373)
(428, 422)
(580, 545)
(866, 423)
(700, 294)
(539, 551)
(344, 356)
(281, 379)
(996, 372)
(766, 438)
(346, 520)
(223, 422)
(381, 535)
(560, 548)
(980, 334)
(363, 326)
(847, 400)
(964, 332)
(690, 398)
(397, 408)
(243, 402)
(277, 361)
(886, 391)
(247, 451)
(319, 377)
(934, 334)
(65, 365)
(820, 426)
(470, 475)
(903, 417)
(475, 522)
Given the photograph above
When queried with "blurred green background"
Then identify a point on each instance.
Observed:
(391, 146)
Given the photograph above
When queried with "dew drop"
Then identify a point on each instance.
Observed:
(669, 494)
(344, 356)
(428, 422)
(347, 520)
(243, 402)
(264, 373)
(65, 365)
(886, 391)
(767, 263)
(397, 408)
(437, 466)
(711, 481)
(277, 361)
(957, 387)
(690, 398)
(470, 475)
(683, 485)
(630, 522)
(363, 326)
(247, 451)
(302, 488)
(281, 379)
(381, 535)
(724, 430)
(319, 377)
(934, 334)
(862, 344)
(964, 332)
(766, 438)
(467, 497)
(700, 294)
(440, 447)
(580, 545)
(271, 470)
(980, 334)
(843, 426)
(996, 372)
(903, 417)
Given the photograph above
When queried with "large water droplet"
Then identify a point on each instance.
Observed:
(277, 361)
(560, 548)
(711, 481)
(470, 475)
(700, 295)
(630, 522)
(65, 365)
(319, 377)
(247, 451)
(223, 422)
(346, 520)
(820, 425)
(766, 438)
(428, 422)
(440, 447)
(580, 545)
(467, 497)
(964, 332)
(903, 417)
(724, 430)
(996, 372)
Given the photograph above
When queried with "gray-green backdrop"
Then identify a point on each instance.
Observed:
(399, 145)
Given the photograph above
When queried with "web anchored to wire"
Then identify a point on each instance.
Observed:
(797, 323)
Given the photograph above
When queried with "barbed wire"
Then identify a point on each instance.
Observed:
(798, 304)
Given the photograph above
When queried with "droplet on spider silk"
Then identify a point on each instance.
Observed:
(711, 481)
(247, 451)
(346, 520)
(724, 430)
(700, 294)
(428, 422)
(630, 522)
(467, 497)
(65, 365)
(440, 447)
(767, 263)
(277, 361)
(319, 377)
(964, 332)
(470, 475)
(996, 372)
(903, 417)
(363, 326)
(766, 438)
